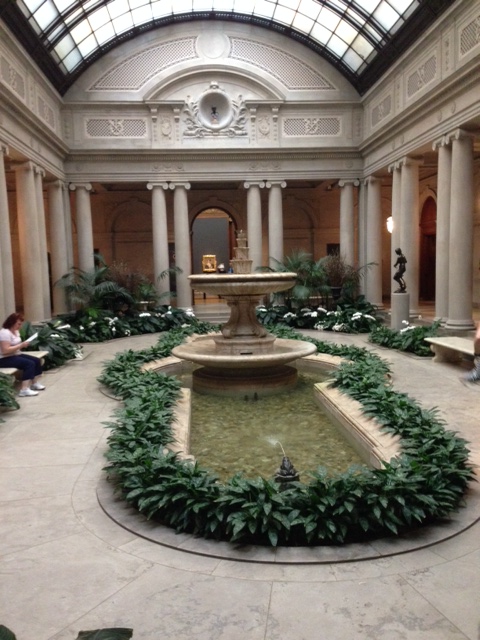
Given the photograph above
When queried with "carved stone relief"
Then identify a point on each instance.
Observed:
(215, 113)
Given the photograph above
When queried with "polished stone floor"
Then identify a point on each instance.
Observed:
(68, 564)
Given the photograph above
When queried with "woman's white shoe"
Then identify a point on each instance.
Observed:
(27, 392)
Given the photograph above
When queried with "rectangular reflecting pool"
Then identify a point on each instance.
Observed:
(231, 435)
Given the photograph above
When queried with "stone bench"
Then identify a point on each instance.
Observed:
(12, 371)
(450, 348)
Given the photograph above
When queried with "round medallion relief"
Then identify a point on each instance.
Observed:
(215, 109)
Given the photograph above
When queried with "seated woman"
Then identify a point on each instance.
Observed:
(11, 356)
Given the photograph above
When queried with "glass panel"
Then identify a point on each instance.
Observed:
(202, 5)
(402, 5)
(32, 5)
(362, 46)
(264, 8)
(82, 31)
(142, 15)
(65, 45)
(309, 8)
(181, 6)
(63, 5)
(283, 15)
(320, 34)
(346, 32)
(72, 60)
(118, 8)
(162, 8)
(290, 4)
(385, 15)
(88, 45)
(99, 18)
(135, 4)
(352, 60)
(46, 15)
(242, 6)
(328, 19)
(302, 23)
(337, 46)
(105, 33)
(123, 23)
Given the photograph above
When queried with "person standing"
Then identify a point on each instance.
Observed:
(10, 356)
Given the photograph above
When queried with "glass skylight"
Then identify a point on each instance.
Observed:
(352, 31)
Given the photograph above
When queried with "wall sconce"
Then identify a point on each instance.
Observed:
(389, 224)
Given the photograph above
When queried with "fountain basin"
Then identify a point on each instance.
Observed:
(242, 284)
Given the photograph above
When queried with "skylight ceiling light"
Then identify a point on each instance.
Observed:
(349, 32)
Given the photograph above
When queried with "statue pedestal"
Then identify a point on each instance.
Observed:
(400, 310)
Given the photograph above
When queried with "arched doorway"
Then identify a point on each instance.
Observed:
(213, 239)
(428, 239)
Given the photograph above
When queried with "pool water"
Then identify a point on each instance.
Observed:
(231, 435)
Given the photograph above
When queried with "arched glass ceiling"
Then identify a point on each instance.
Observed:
(350, 33)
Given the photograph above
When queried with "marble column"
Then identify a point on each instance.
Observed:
(275, 222)
(396, 210)
(442, 247)
(160, 240)
(373, 275)
(86, 261)
(460, 281)
(30, 258)
(58, 244)
(347, 220)
(42, 239)
(410, 227)
(68, 225)
(7, 289)
(254, 222)
(183, 257)
(362, 232)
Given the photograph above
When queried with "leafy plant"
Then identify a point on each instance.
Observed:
(115, 633)
(7, 392)
(52, 338)
(410, 339)
(425, 483)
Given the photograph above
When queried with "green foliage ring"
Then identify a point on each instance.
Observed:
(425, 483)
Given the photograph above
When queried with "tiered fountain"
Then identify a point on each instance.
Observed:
(244, 358)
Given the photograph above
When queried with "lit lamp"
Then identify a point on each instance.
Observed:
(389, 224)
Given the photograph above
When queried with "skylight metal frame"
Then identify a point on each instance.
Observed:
(67, 36)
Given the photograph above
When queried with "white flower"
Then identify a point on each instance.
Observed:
(322, 310)
(127, 332)
(289, 314)
(81, 327)
(144, 315)
(92, 323)
(190, 312)
(409, 328)
(54, 335)
(64, 326)
(338, 327)
(314, 314)
(369, 316)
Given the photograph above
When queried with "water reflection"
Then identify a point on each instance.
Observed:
(230, 435)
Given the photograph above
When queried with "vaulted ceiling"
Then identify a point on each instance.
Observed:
(361, 38)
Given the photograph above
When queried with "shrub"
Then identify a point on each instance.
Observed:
(410, 339)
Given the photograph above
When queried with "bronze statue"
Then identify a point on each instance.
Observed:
(400, 265)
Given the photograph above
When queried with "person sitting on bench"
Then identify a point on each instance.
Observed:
(474, 374)
(11, 356)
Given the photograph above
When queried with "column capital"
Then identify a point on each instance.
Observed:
(276, 183)
(55, 182)
(39, 171)
(80, 185)
(459, 134)
(163, 185)
(249, 184)
(344, 181)
(372, 180)
(22, 166)
(4, 148)
(395, 166)
(440, 142)
(408, 161)
(174, 185)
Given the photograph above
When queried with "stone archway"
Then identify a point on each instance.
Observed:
(428, 239)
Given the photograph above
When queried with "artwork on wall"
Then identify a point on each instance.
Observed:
(209, 263)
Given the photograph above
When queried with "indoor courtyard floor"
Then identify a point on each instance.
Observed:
(73, 557)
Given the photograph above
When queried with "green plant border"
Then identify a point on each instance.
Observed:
(425, 483)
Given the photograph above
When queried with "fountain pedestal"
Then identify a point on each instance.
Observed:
(244, 358)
